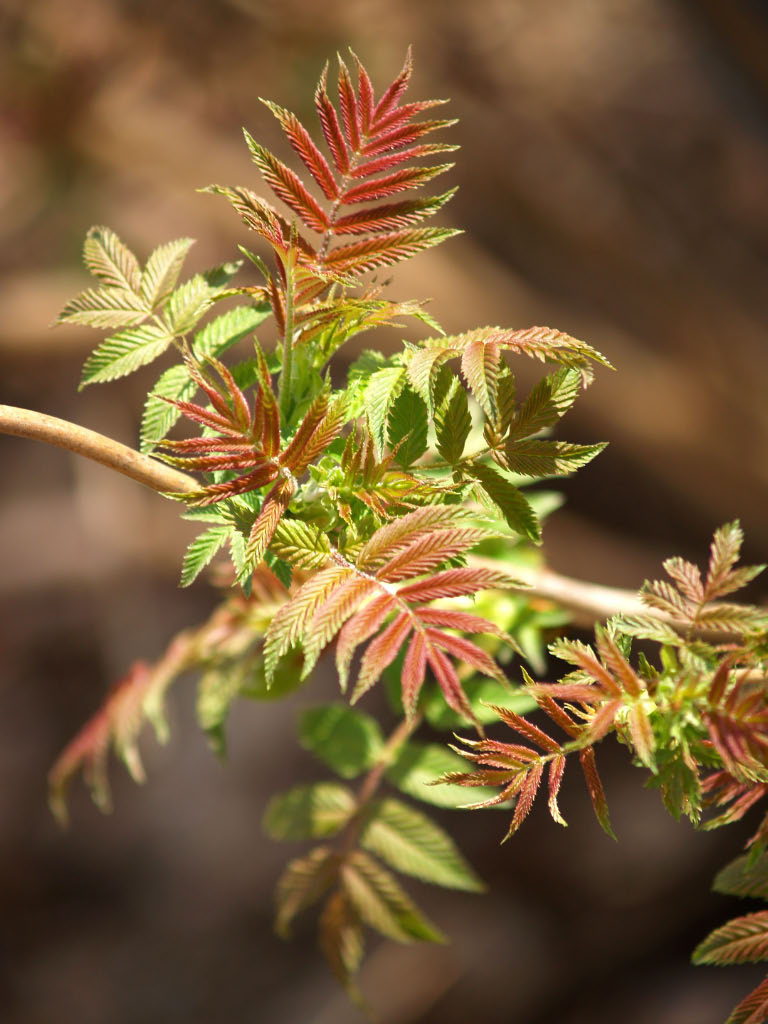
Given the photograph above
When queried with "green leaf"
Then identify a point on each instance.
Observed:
(211, 340)
(107, 258)
(187, 304)
(125, 352)
(742, 940)
(202, 549)
(381, 390)
(104, 307)
(417, 765)
(304, 882)
(508, 499)
(220, 276)
(217, 689)
(481, 692)
(162, 270)
(409, 842)
(422, 364)
(452, 423)
(226, 330)
(159, 416)
(309, 811)
(549, 400)
(300, 544)
(548, 458)
(407, 427)
(382, 904)
(348, 741)
(746, 876)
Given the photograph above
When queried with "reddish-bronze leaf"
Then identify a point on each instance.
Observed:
(556, 771)
(449, 683)
(391, 184)
(358, 629)
(275, 503)
(414, 670)
(380, 653)
(311, 157)
(329, 122)
(348, 107)
(288, 186)
(392, 94)
(455, 583)
(595, 787)
(527, 795)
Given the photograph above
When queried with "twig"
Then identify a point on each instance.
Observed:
(40, 427)
(588, 602)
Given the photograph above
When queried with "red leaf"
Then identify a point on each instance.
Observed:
(595, 787)
(753, 1009)
(389, 184)
(404, 135)
(365, 97)
(556, 771)
(302, 142)
(288, 186)
(358, 629)
(393, 159)
(528, 792)
(329, 122)
(391, 96)
(262, 531)
(449, 683)
(383, 250)
(454, 583)
(414, 669)
(380, 653)
(467, 652)
(390, 216)
(249, 482)
(526, 728)
(348, 107)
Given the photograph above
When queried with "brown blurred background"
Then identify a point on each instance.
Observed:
(613, 184)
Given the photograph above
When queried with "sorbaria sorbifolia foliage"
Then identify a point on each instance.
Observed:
(375, 516)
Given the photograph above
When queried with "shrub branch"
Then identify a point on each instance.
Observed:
(40, 427)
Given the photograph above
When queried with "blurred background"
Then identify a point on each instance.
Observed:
(613, 174)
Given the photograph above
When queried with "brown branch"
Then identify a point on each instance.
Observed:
(588, 602)
(145, 470)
